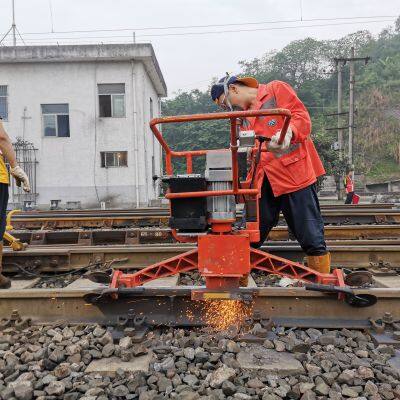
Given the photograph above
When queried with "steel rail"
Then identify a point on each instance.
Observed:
(292, 307)
(164, 210)
(127, 219)
(163, 235)
(348, 211)
(68, 258)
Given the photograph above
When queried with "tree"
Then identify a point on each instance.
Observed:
(308, 65)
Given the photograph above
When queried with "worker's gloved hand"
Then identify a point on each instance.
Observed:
(20, 176)
(280, 148)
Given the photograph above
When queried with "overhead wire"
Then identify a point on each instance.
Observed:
(57, 39)
(211, 25)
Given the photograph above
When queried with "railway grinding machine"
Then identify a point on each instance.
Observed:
(203, 212)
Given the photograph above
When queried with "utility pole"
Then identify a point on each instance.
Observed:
(14, 30)
(340, 62)
(340, 132)
(351, 108)
(339, 109)
(13, 26)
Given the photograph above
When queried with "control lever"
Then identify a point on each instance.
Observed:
(352, 299)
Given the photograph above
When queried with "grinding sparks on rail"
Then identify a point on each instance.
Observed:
(224, 314)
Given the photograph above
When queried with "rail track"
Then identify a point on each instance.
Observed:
(155, 217)
(51, 258)
(74, 241)
(172, 306)
(107, 236)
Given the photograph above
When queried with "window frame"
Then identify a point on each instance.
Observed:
(103, 156)
(55, 115)
(6, 103)
(111, 95)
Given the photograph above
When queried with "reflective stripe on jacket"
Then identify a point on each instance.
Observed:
(298, 167)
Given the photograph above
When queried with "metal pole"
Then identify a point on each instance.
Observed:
(351, 109)
(13, 25)
(340, 131)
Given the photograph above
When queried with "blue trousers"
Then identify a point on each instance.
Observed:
(302, 214)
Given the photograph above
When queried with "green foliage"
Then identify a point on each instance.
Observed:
(308, 65)
(194, 136)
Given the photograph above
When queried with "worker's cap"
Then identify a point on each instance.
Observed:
(218, 88)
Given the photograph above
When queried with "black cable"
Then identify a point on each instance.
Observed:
(38, 275)
(108, 265)
(261, 139)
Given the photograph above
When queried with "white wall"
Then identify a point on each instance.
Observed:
(69, 168)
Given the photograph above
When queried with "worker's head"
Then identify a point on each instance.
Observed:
(233, 93)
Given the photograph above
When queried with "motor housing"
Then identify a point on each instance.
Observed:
(218, 175)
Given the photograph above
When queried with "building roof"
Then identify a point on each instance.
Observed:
(143, 52)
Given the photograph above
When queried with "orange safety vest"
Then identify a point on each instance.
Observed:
(300, 166)
(349, 184)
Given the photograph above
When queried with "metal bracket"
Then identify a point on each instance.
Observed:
(85, 238)
(385, 330)
(381, 219)
(132, 325)
(38, 238)
(15, 321)
(132, 237)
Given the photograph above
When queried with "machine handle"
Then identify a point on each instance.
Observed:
(317, 287)
(283, 134)
(286, 114)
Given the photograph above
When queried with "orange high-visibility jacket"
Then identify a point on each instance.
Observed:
(348, 183)
(300, 166)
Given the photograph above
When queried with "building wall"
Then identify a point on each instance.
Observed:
(69, 168)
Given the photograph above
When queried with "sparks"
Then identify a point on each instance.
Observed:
(224, 314)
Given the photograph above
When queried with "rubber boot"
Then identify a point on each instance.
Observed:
(320, 263)
(244, 280)
(5, 283)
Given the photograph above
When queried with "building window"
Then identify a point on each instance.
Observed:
(114, 159)
(111, 100)
(55, 120)
(3, 102)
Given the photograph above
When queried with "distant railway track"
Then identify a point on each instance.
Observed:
(157, 235)
(155, 217)
(47, 259)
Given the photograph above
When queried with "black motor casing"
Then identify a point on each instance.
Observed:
(189, 214)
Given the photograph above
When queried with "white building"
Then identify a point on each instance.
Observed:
(86, 109)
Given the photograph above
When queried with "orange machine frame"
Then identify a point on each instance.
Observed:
(224, 255)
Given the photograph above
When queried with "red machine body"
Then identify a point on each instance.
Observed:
(223, 254)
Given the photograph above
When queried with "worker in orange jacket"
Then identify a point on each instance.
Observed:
(287, 172)
(349, 186)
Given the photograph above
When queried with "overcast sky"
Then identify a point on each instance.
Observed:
(189, 61)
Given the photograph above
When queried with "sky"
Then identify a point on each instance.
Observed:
(190, 61)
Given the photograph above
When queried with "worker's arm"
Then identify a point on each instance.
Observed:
(8, 152)
(6, 147)
(300, 122)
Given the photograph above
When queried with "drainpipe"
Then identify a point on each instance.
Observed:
(135, 136)
(145, 136)
(160, 148)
